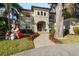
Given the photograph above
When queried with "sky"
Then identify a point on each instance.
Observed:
(28, 5)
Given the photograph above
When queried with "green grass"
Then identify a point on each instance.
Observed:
(9, 47)
(70, 39)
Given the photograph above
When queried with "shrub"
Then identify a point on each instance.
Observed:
(70, 19)
(76, 29)
(2, 33)
(66, 31)
(27, 31)
(23, 30)
(52, 31)
(3, 26)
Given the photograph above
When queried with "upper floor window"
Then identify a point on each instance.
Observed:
(44, 14)
(38, 13)
(41, 13)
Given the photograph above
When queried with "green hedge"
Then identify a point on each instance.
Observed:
(76, 29)
(70, 19)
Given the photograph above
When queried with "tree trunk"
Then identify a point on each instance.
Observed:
(59, 21)
(8, 8)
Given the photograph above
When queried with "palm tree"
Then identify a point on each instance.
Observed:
(18, 11)
(59, 20)
(7, 12)
(69, 10)
(59, 8)
(12, 7)
(76, 10)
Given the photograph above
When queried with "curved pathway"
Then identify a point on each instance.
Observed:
(42, 40)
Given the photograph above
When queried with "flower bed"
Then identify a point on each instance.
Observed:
(32, 37)
(55, 40)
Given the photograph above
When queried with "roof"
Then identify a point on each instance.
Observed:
(39, 7)
(26, 9)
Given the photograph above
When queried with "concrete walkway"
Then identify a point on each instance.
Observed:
(42, 40)
(53, 50)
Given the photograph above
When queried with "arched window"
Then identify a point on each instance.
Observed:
(41, 13)
(38, 13)
(44, 13)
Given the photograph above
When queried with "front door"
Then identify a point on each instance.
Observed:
(41, 26)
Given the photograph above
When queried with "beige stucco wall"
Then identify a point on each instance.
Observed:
(40, 17)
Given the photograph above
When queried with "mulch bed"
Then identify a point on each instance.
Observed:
(55, 40)
(32, 37)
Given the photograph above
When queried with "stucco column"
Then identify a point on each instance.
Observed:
(47, 27)
(35, 27)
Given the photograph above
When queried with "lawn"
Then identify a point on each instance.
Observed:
(70, 39)
(9, 47)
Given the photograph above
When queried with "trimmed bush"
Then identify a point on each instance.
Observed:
(52, 31)
(76, 29)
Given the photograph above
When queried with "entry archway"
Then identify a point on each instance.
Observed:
(41, 25)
